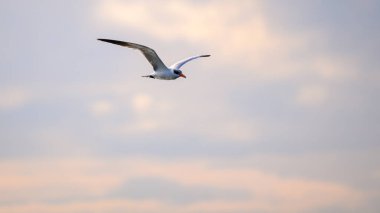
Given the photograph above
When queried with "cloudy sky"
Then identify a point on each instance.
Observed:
(283, 117)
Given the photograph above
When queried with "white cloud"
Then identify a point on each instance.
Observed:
(236, 130)
(149, 115)
(102, 108)
(312, 95)
(333, 68)
(13, 97)
(174, 19)
(141, 103)
(160, 115)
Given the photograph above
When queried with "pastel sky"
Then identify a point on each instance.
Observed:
(283, 117)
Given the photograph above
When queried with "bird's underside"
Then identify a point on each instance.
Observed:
(161, 71)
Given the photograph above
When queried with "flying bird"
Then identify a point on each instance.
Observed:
(161, 71)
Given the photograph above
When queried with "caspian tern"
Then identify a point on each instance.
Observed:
(160, 70)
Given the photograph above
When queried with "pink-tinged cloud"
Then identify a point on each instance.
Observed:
(77, 185)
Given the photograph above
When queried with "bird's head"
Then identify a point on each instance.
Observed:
(179, 73)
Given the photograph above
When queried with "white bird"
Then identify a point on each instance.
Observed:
(160, 70)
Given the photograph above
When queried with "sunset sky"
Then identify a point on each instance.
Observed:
(283, 117)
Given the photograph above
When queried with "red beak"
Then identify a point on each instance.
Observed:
(182, 75)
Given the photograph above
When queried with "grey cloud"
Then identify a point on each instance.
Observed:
(147, 188)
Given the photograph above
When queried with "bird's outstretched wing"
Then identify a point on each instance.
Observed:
(149, 53)
(179, 64)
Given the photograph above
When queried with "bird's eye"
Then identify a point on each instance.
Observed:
(177, 72)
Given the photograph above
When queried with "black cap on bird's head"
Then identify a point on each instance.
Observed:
(179, 72)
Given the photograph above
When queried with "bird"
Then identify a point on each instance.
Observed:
(160, 70)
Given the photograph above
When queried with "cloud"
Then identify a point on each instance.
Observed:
(332, 68)
(141, 103)
(14, 97)
(234, 129)
(71, 185)
(98, 206)
(102, 108)
(148, 115)
(159, 114)
(312, 95)
(177, 17)
(145, 188)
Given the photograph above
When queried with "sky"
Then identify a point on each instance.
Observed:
(283, 117)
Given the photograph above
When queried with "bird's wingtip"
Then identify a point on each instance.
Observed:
(206, 55)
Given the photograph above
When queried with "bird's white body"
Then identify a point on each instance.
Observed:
(165, 74)
(161, 71)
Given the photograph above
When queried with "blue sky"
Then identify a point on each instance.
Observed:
(282, 117)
